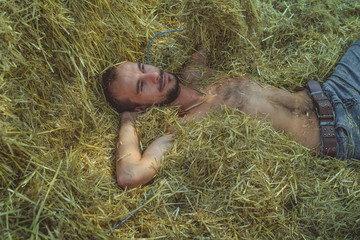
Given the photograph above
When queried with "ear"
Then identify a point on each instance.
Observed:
(140, 108)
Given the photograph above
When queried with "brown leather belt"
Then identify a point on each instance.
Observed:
(325, 114)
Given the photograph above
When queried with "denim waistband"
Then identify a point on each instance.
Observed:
(343, 90)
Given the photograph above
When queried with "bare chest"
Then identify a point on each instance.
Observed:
(235, 94)
(287, 111)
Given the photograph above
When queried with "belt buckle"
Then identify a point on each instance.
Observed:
(324, 109)
(324, 116)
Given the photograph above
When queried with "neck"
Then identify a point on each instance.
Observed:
(188, 97)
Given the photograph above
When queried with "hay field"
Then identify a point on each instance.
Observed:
(226, 177)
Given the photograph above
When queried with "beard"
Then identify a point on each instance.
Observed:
(172, 93)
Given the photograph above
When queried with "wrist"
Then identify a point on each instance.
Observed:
(128, 117)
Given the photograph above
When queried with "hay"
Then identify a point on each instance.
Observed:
(226, 177)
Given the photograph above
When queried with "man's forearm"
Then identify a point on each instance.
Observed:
(128, 143)
(133, 168)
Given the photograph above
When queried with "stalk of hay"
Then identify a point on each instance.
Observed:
(226, 177)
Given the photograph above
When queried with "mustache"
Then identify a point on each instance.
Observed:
(161, 81)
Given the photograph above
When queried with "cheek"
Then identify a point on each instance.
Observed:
(152, 96)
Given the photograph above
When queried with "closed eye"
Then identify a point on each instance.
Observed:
(141, 67)
(139, 87)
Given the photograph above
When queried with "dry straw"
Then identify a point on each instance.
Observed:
(226, 177)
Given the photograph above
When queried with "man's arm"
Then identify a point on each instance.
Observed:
(197, 67)
(134, 169)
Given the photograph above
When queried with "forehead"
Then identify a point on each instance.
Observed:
(126, 73)
(126, 69)
(126, 78)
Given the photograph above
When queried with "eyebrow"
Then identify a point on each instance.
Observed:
(138, 82)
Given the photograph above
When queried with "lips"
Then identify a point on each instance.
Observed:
(163, 80)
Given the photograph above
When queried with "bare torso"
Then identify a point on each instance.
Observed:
(290, 112)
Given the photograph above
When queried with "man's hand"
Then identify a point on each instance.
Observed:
(133, 168)
(128, 116)
(197, 67)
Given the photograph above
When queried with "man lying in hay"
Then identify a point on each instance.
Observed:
(323, 118)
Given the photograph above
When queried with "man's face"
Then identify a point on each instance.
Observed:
(144, 84)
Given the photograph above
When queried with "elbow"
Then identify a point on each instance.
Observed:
(126, 181)
(135, 175)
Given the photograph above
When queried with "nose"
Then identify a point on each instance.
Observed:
(152, 77)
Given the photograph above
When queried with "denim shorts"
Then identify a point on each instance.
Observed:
(343, 90)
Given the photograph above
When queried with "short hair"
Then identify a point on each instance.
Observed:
(120, 106)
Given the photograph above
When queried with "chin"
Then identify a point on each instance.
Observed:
(173, 91)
